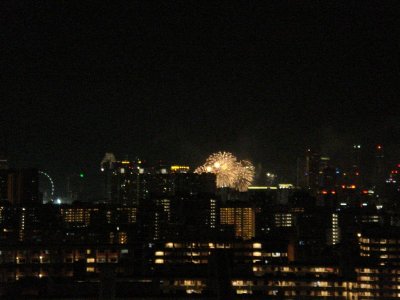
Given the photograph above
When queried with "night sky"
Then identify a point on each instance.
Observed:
(178, 80)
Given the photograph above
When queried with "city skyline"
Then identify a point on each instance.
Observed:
(344, 161)
(192, 149)
(177, 82)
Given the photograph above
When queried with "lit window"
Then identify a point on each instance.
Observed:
(257, 245)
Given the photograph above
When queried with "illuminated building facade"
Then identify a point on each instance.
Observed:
(283, 220)
(376, 282)
(380, 245)
(276, 280)
(334, 232)
(167, 233)
(129, 182)
(241, 218)
(295, 281)
(99, 237)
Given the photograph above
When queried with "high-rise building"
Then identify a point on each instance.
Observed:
(76, 187)
(3, 178)
(128, 182)
(3, 185)
(128, 185)
(334, 230)
(242, 218)
(321, 177)
(106, 167)
(356, 171)
(124, 183)
(328, 178)
(379, 172)
(23, 187)
(312, 168)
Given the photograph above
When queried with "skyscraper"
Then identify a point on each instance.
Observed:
(3, 178)
(106, 167)
(356, 171)
(127, 183)
(379, 172)
(241, 217)
(312, 168)
(3, 184)
(23, 187)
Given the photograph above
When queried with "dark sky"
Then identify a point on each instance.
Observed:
(178, 80)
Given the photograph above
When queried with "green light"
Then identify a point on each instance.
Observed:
(81, 175)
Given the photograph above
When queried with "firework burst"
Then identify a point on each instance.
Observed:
(245, 175)
(229, 171)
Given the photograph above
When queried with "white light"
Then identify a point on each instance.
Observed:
(58, 201)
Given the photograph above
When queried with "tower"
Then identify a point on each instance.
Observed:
(106, 167)
(23, 187)
(356, 170)
(379, 169)
(312, 168)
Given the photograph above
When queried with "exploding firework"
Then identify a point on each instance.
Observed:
(229, 172)
(223, 164)
(245, 175)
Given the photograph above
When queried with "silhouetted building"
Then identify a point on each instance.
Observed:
(132, 182)
(76, 187)
(356, 172)
(3, 185)
(3, 163)
(379, 172)
(106, 167)
(23, 187)
(312, 168)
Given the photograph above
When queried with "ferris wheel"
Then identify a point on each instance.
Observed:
(50, 180)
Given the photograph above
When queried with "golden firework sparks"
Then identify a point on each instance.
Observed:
(229, 171)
